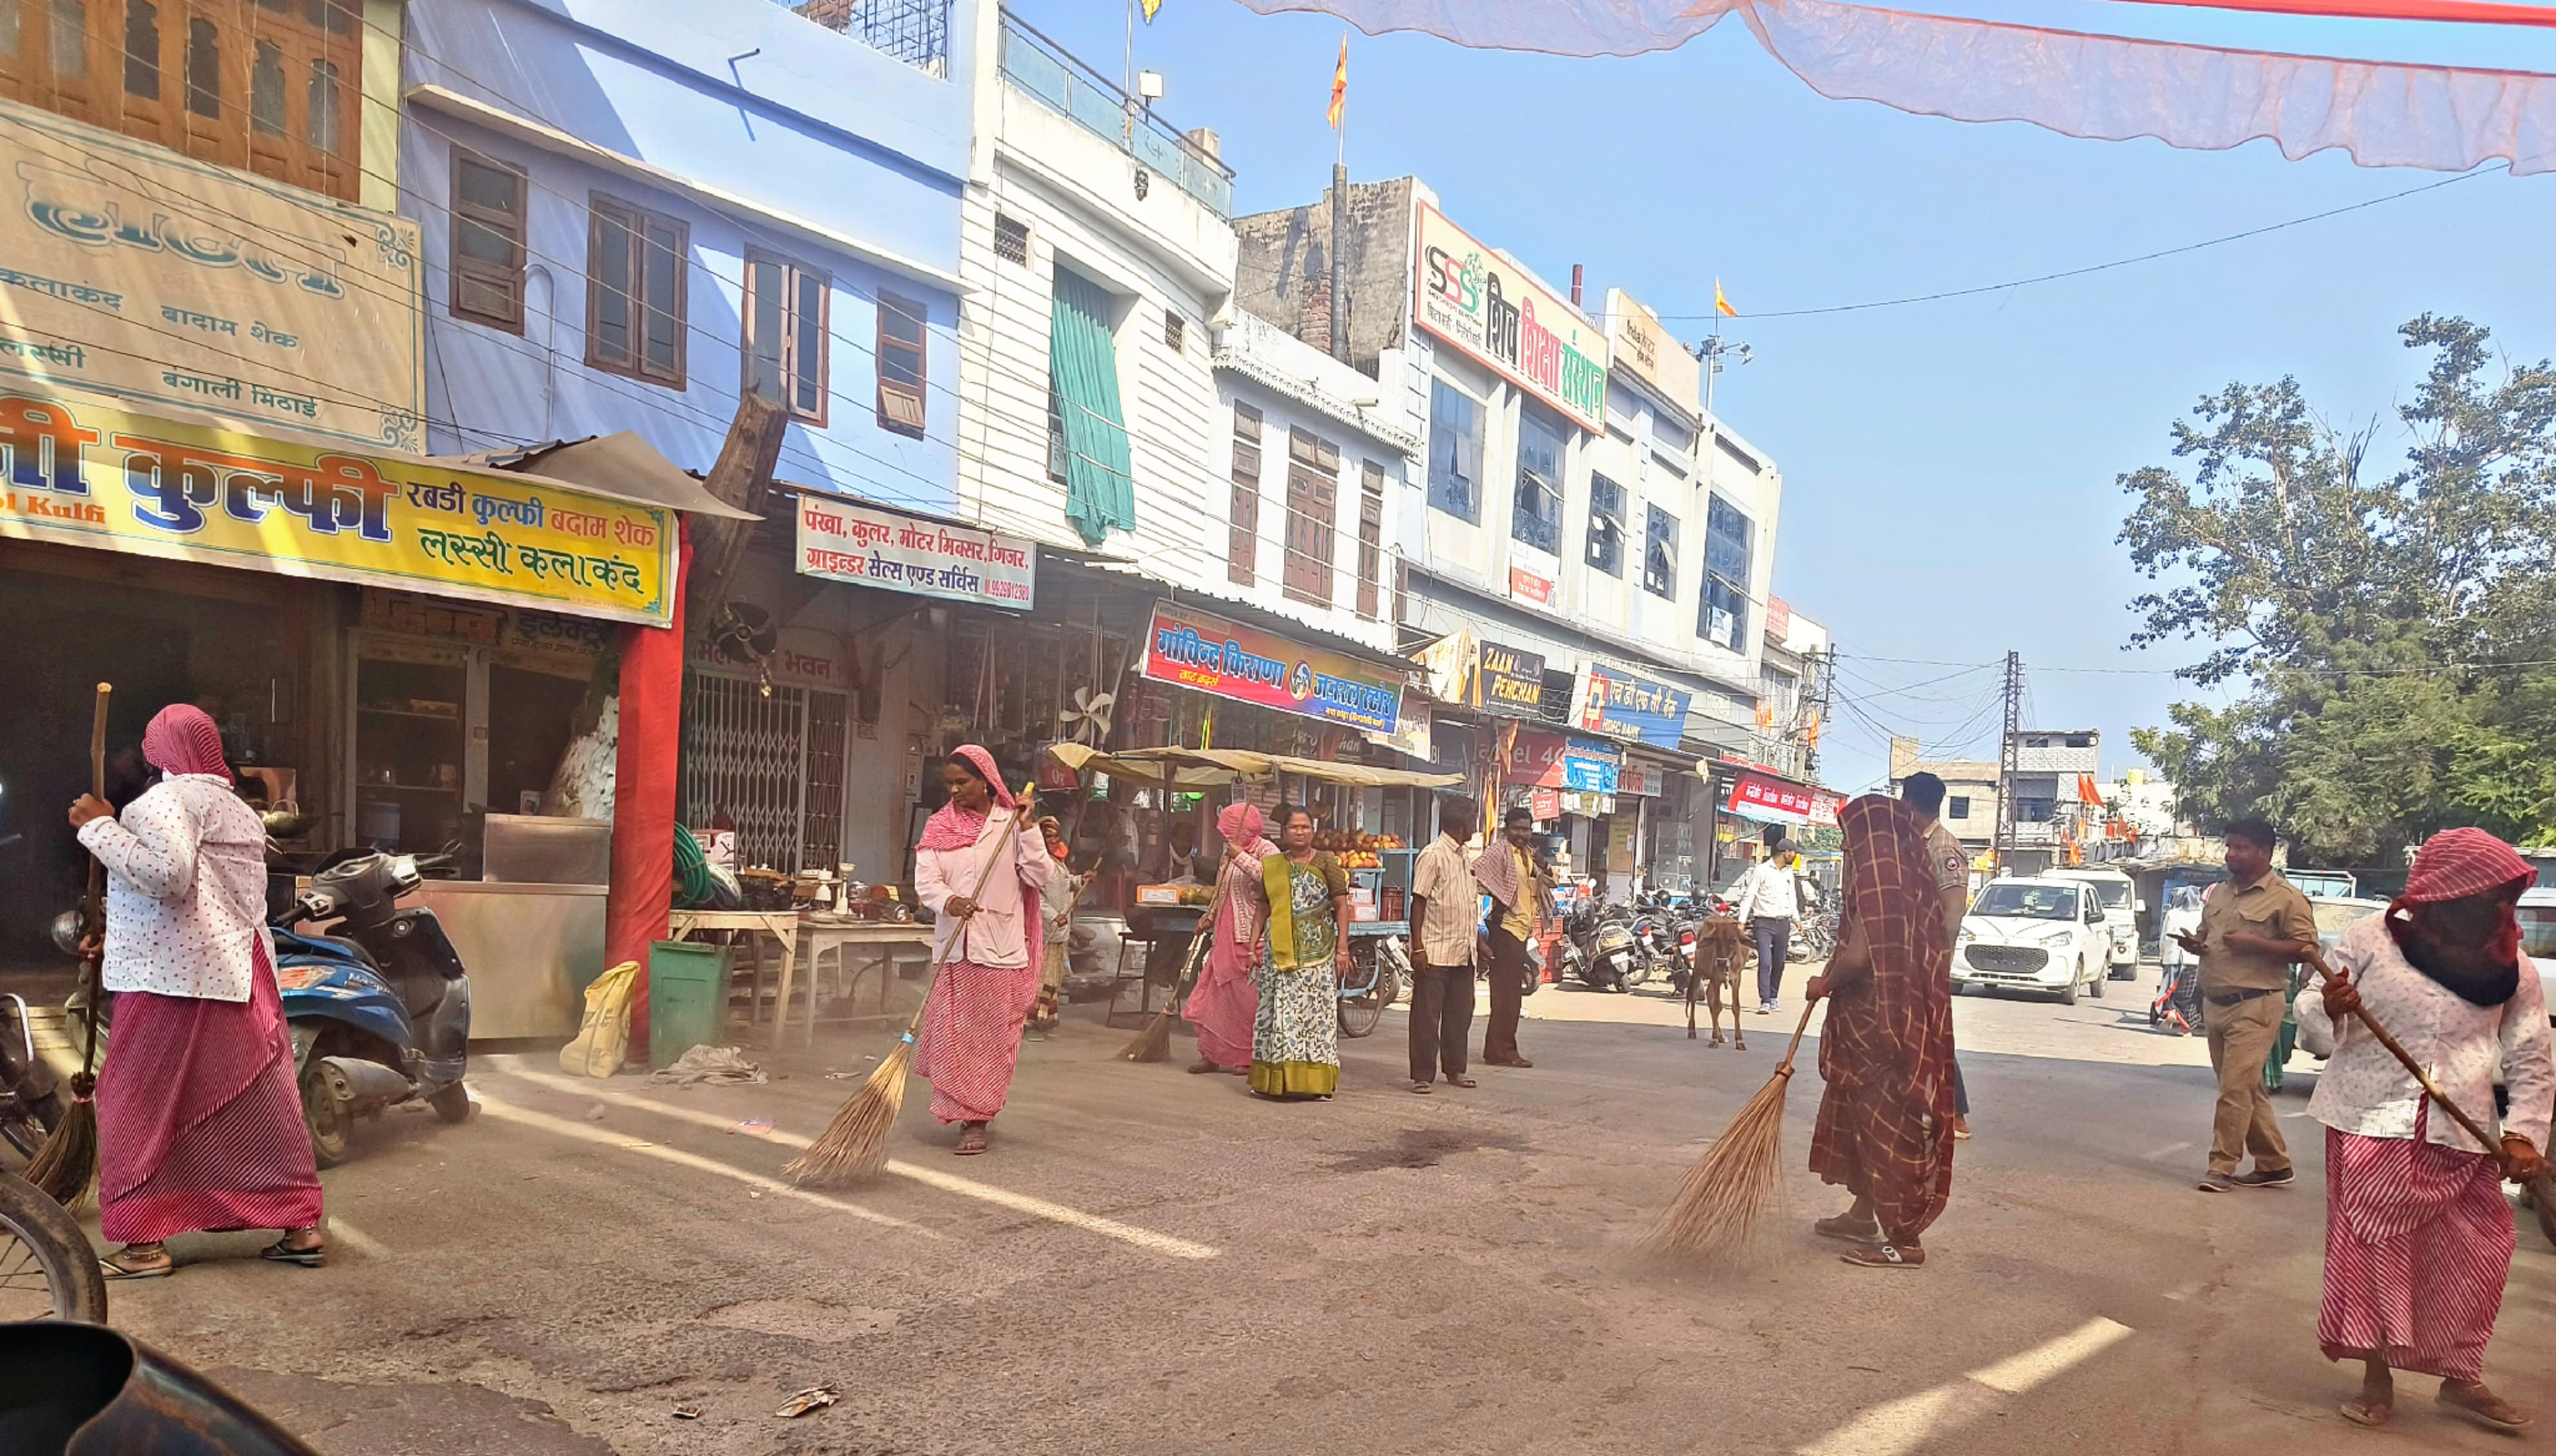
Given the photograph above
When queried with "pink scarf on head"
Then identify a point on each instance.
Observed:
(953, 827)
(181, 738)
(1244, 827)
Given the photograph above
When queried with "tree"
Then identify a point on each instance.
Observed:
(2394, 637)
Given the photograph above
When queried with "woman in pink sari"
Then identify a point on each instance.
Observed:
(985, 896)
(1223, 1005)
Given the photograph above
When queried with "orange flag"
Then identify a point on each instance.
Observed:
(1340, 83)
(1721, 305)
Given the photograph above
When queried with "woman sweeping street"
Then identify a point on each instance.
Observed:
(1223, 1008)
(973, 1022)
(1296, 1031)
(2418, 1236)
(199, 1121)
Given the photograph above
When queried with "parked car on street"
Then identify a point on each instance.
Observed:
(2539, 939)
(2120, 900)
(2039, 934)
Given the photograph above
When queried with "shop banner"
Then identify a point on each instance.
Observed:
(1490, 307)
(133, 273)
(1781, 801)
(1411, 732)
(1638, 344)
(1558, 761)
(1508, 680)
(1611, 701)
(1195, 649)
(869, 546)
(87, 474)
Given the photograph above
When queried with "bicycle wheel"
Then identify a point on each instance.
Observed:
(46, 1268)
(1361, 1013)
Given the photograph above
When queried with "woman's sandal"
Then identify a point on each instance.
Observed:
(281, 1251)
(2496, 1414)
(1202, 1066)
(2361, 1413)
(122, 1264)
(1885, 1256)
(971, 1141)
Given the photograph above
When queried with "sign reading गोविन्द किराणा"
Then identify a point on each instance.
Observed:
(131, 272)
(90, 475)
(845, 541)
(1212, 655)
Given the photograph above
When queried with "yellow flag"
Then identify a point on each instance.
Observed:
(1150, 7)
(1721, 305)
(1340, 84)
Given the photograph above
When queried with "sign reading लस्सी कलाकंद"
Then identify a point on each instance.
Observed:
(871, 546)
(1212, 655)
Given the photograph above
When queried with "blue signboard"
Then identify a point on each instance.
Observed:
(1615, 703)
(1589, 768)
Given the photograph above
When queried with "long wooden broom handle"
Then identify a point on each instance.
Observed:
(93, 907)
(2315, 958)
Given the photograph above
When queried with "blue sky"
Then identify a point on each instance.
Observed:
(1950, 468)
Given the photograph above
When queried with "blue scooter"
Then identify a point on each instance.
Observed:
(378, 1003)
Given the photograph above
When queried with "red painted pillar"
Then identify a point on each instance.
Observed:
(643, 795)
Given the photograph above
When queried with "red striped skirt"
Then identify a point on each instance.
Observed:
(970, 1040)
(2418, 1241)
(198, 1118)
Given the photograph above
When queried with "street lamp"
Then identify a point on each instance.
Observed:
(1717, 353)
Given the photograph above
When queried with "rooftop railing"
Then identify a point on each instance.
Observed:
(1044, 69)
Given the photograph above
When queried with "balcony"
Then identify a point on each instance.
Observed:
(1047, 72)
(916, 31)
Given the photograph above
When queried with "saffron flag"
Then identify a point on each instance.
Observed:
(1340, 84)
(1721, 305)
(1150, 7)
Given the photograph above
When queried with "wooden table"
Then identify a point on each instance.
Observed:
(876, 941)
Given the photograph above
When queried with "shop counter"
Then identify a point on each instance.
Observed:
(530, 949)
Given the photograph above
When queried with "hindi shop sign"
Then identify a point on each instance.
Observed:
(87, 474)
(130, 272)
(1765, 797)
(1610, 701)
(1491, 308)
(845, 541)
(1230, 660)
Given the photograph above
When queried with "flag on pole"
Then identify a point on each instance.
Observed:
(1340, 83)
(1721, 305)
(1150, 7)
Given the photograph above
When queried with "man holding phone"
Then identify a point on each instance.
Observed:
(2253, 927)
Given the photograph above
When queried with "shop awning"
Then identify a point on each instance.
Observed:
(1233, 763)
(1152, 773)
(619, 466)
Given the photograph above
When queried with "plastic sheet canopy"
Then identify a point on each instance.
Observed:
(2105, 88)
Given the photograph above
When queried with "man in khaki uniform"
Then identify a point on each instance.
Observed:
(2252, 926)
(1924, 792)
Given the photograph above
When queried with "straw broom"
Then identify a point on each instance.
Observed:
(854, 1144)
(1717, 1208)
(67, 1164)
(1154, 1043)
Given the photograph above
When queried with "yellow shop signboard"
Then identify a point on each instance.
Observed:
(86, 473)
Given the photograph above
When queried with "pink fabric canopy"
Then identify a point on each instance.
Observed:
(2109, 87)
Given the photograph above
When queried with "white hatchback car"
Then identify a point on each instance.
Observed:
(2039, 934)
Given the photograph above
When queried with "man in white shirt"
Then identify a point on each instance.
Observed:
(2418, 1238)
(1770, 901)
(1443, 896)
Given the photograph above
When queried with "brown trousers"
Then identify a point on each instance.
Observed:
(1511, 964)
(2241, 1041)
(1441, 1019)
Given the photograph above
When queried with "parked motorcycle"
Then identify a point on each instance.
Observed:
(1607, 956)
(46, 1267)
(31, 1097)
(379, 1003)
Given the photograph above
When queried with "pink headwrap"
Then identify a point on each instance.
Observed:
(181, 738)
(1242, 824)
(2458, 862)
(953, 827)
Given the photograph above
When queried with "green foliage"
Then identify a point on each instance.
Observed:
(2390, 638)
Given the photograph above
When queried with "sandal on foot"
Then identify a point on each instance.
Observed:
(1201, 1067)
(972, 1142)
(279, 1251)
(1847, 1230)
(1885, 1256)
(1423, 1088)
(1458, 1078)
(2495, 1414)
(2361, 1413)
(124, 1265)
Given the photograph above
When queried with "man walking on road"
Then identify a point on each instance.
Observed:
(2251, 934)
(1770, 901)
(1924, 792)
(1441, 926)
(1506, 869)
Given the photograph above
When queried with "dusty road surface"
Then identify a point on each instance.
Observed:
(1156, 1262)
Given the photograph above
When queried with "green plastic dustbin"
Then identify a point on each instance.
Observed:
(686, 994)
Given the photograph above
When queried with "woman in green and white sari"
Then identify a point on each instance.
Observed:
(1296, 1037)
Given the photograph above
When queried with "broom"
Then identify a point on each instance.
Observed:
(68, 1162)
(1717, 1208)
(2431, 1089)
(1154, 1043)
(854, 1144)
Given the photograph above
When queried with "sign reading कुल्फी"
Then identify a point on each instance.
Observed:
(847, 541)
(1641, 347)
(132, 273)
(1494, 310)
(92, 474)
(1611, 701)
(1195, 649)
(1507, 680)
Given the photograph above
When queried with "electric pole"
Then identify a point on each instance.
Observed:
(2007, 766)
(1815, 710)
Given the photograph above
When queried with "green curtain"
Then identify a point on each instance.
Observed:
(1082, 368)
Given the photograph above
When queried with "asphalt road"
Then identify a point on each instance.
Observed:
(1157, 1263)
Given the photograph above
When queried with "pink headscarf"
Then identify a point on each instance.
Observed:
(181, 738)
(953, 827)
(1242, 824)
(2459, 862)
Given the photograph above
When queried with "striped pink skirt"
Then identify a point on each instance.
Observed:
(970, 1040)
(2418, 1241)
(199, 1118)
